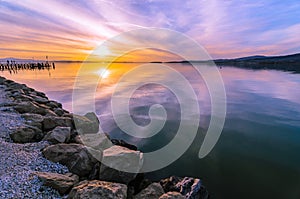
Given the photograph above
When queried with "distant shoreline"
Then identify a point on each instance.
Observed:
(285, 63)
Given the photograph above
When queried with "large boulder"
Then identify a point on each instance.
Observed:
(98, 141)
(26, 134)
(153, 191)
(191, 188)
(172, 195)
(61, 183)
(86, 124)
(76, 157)
(98, 189)
(120, 164)
(51, 122)
(58, 135)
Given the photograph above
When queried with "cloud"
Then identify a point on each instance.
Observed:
(225, 28)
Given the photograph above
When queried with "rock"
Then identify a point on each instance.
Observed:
(94, 174)
(78, 140)
(40, 94)
(172, 195)
(40, 100)
(191, 188)
(98, 189)
(29, 107)
(169, 184)
(15, 85)
(153, 191)
(33, 120)
(26, 134)
(54, 104)
(92, 116)
(47, 109)
(62, 183)
(33, 117)
(59, 111)
(51, 122)
(84, 125)
(120, 164)
(98, 141)
(124, 144)
(19, 97)
(139, 183)
(58, 135)
(75, 156)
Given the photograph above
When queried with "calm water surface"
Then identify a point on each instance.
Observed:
(258, 153)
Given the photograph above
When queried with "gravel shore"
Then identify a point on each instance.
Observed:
(18, 162)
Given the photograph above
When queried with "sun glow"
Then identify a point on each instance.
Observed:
(103, 73)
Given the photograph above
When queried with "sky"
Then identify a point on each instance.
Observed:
(71, 30)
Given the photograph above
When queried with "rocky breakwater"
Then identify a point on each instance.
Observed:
(100, 167)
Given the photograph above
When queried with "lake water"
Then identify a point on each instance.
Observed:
(258, 153)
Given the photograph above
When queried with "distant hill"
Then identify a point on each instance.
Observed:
(251, 57)
(286, 62)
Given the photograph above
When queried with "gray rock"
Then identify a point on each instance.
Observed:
(120, 164)
(98, 141)
(59, 111)
(62, 183)
(98, 189)
(26, 134)
(84, 125)
(51, 122)
(75, 156)
(92, 116)
(153, 191)
(58, 135)
(33, 117)
(29, 107)
(172, 195)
